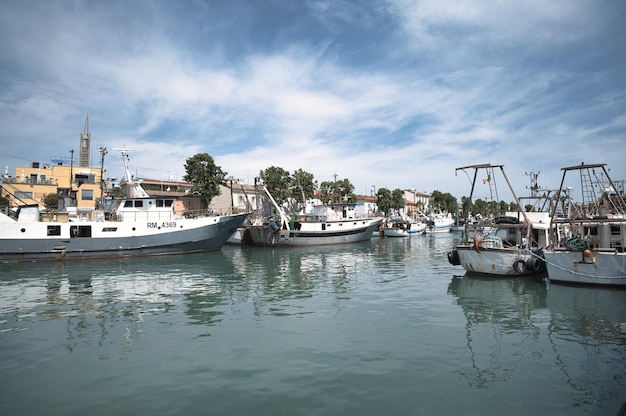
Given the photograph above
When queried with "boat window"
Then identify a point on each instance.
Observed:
(164, 203)
(109, 229)
(80, 231)
(128, 204)
(54, 230)
(138, 204)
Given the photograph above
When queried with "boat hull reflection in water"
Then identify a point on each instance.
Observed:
(385, 326)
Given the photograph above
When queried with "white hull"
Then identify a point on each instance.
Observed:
(415, 229)
(602, 268)
(395, 232)
(438, 230)
(28, 241)
(315, 233)
(439, 225)
(499, 261)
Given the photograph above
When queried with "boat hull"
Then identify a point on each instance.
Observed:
(601, 268)
(32, 242)
(395, 232)
(438, 230)
(344, 232)
(499, 261)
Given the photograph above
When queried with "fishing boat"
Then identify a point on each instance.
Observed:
(325, 225)
(588, 244)
(506, 245)
(401, 227)
(140, 225)
(439, 223)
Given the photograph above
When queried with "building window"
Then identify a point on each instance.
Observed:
(87, 195)
(81, 178)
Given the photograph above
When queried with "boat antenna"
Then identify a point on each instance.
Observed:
(135, 190)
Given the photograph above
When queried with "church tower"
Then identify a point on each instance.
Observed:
(85, 144)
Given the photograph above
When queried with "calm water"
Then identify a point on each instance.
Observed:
(386, 327)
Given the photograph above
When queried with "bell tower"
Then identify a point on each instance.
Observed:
(85, 145)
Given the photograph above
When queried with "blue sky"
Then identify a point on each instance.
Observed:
(392, 94)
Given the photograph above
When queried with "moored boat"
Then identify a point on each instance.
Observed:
(439, 223)
(509, 245)
(588, 245)
(326, 225)
(140, 225)
(400, 227)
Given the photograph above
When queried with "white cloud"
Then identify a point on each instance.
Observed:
(395, 97)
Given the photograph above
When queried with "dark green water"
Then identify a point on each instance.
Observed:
(386, 327)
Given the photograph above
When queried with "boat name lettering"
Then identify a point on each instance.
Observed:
(171, 224)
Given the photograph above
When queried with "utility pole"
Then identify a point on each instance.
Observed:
(71, 167)
(103, 151)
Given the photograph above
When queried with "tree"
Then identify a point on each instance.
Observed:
(397, 199)
(444, 202)
(278, 182)
(345, 191)
(327, 191)
(303, 186)
(384, 200)
(205, 176)
(51, 201)
(480, 207)
(337, 191)
(466, 206)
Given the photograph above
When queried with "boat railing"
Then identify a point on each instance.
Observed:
(165, 215)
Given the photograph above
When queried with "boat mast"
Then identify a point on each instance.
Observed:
(135, 190)
(280, 211)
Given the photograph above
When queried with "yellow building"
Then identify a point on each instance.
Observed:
(30, 185)
(80, 185)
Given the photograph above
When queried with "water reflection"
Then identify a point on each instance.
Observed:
(496, 309)
(103, 301)
(575, 335)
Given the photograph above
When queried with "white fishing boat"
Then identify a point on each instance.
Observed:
(400, 227)
(439, 223)
(326, 225)
(588, 244)
(140, 225)
(507, 245)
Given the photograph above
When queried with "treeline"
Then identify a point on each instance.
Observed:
(300, 186)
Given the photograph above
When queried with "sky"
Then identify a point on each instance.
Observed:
(384, 93)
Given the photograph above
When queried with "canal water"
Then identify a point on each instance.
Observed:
(385, 327)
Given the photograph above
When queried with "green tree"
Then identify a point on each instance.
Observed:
(205, 176)
(397, 199)
(466, 206)
(444, 202)
(480, 207)
(51, 201)
(345, 191)
(384, 200)
(303, 186)
(337, 191)
(278, 181)
(327, 191)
